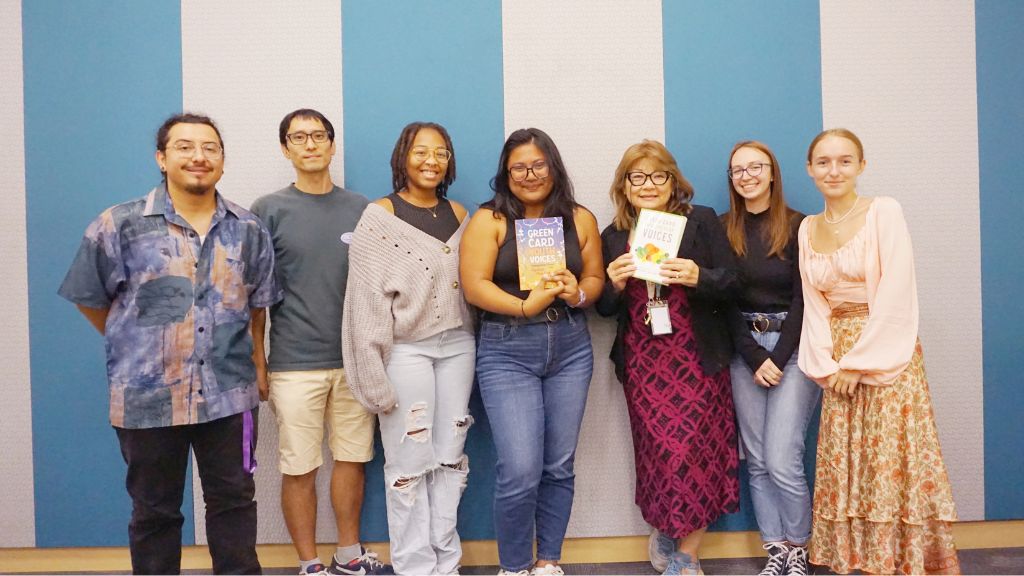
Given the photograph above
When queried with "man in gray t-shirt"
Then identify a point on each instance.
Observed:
(311, 223)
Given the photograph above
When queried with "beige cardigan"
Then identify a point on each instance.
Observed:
(887, 342)
(403, 286)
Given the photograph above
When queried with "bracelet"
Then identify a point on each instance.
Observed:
(522, 307)
(583, 298)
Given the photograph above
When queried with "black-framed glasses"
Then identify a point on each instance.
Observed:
(519, 172)
(421, 153)
(753, 169)
(317, 136)
(638, 178)
(210, 150)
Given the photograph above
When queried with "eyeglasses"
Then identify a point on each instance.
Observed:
(299, 138)
(753, 169)
(421, 153)
(519, 172)
(210, 150)
(638, 178)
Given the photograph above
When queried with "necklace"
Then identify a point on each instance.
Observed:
(843, 217)
(431, 209)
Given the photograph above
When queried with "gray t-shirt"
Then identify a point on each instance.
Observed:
(311, 234)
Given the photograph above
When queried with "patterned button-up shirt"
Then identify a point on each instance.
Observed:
(179, 350)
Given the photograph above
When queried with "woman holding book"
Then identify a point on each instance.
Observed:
(409, 348)
(774, 400)
(882, 499)
(534, 358)
(672, 353)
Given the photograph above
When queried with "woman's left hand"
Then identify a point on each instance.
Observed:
(570, 293)
(680, 271)
(844, 382)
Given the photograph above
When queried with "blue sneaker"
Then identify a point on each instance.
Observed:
(680, 563)
(659, 548)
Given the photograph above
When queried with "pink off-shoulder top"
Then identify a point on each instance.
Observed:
(876, 267)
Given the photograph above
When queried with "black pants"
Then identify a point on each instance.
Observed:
(157, 459)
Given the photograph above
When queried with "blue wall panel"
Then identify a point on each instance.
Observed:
(751, 72)
(100, 77)
(1000, 126)
(407, 61)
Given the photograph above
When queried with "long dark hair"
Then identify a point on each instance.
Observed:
(779, 214)
(399, 177)
(561, 202)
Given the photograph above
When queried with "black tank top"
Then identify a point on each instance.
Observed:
(506, 266)
(439, 221)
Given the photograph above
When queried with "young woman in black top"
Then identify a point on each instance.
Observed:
(774, 401)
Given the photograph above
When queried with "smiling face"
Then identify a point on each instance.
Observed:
(422, 165)
(755, 190)
(534, 189)
(311, 157)
(835, 165)
(648, 195)
(197, 172)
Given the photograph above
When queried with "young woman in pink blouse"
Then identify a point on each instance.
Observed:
(882, 501)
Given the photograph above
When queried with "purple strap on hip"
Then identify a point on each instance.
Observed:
(248, 458)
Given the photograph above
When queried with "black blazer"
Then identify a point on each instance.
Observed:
(705, 243)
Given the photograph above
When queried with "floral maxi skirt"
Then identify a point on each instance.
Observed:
(882, 499)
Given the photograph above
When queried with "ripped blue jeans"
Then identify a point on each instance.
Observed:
(425, 467)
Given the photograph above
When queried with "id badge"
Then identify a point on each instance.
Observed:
(661, 323)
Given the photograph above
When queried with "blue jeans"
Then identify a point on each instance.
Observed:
(423, 437)
(773, 424)
(533, 382)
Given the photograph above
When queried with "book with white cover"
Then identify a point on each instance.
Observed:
(654, 239)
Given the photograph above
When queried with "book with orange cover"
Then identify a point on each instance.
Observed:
(540, 247)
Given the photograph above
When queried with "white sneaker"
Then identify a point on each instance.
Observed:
(547, 570)
(504, 572)
(659, 548)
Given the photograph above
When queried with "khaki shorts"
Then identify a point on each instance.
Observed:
(301, 400)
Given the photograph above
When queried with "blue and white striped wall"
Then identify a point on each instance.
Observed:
(933, 89)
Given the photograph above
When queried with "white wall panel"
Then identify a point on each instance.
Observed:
(902, 76)
(590, 74)
(17, 501)
(247, 65)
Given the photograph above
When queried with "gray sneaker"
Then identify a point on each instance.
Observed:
(680, 563)
(659, 548)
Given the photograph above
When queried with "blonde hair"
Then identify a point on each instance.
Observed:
(682, 190)
(840, 133)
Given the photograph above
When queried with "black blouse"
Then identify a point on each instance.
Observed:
(769, 285)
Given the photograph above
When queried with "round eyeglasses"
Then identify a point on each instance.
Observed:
(317, 136)
(421, 153)
(519, 172)
(753, 169)
(638, 178)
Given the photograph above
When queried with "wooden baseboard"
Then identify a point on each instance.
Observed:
(969, 535)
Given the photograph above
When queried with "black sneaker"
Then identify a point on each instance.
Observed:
(778, 554)
(796, 562)
(366, 563)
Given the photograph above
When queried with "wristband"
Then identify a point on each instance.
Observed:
(583, 298)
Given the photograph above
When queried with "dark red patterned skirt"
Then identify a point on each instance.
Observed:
(683, 423)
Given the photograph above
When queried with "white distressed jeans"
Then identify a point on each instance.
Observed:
(425, 467)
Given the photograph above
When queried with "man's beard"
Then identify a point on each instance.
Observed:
(198, 190)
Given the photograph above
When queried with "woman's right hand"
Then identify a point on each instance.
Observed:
(620, 270)
(541, 297)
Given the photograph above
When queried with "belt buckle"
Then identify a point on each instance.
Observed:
(551, 314)
(756, 323)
